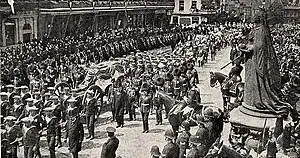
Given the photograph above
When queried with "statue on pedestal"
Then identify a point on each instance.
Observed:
(262, 76)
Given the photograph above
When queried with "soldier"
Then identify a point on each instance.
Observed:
(10, 89)
(52, 123)
(24, 94)
(39, 122)
(30, 137)
(157, 105)
(90, 112)
(177, 84)
(170, 150)
(111, 98)
(74, 131)
(132, 104)
(168, 86)
(119, 103)
(18, 106)
(183, 139)
(58, 114)
(13, 133)
(155, 152)
(144, 104)
(110, 147)
(4, 103)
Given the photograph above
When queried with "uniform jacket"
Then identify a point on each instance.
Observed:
(170, 150)
(75, 133)
(91, 107)
(110, 147)
(144, 103)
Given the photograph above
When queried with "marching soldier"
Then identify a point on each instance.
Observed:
(170, 150)
(58, 114)
(30, 137)
(157, 105)
(13, 133)
(111, 98)
(24, 94)
(144, 104)
(177, 84)
(18, 106)
(168, 86)
(52, 123)
(110, 147)
(74, 131)
(90, 112)
(119, 103)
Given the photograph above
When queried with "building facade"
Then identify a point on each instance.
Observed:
(188, 12)
(39, 18)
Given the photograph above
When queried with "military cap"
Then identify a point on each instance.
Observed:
(10, 86)
(54, 97)
(33, 108)
(110, 130)
(89, 92)
(49, 109)
(74, 90)
(155, 151)
(23, 87)
(72, 100)
(51, 88)
(17, 97)
(194, 139)
(3, 94)
(37, 93)
(29, 100)
(26, 119)
(10, 118)
(170, 134)
(47, 94)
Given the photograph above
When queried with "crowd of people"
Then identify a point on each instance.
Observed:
(31, 104)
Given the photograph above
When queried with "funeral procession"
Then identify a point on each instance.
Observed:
(150, 78)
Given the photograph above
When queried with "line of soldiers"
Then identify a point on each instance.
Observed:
(26, 117)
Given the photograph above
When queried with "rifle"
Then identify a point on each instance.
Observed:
(233, 60)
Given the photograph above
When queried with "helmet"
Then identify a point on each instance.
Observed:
(170, 134)
(155, 151)
(169, 77)
(145, 87)
(177, 72)
(160, 81)
(185, 124)
(202, 133)
(196, 140)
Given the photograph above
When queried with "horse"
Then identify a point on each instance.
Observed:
(228, 89)
(178, 111)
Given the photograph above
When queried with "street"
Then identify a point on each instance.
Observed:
(134, 143)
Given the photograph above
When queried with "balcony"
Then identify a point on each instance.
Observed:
(46, 6)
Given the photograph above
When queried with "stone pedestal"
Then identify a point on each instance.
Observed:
(253, 118)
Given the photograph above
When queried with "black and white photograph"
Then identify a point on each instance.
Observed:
(150, 78)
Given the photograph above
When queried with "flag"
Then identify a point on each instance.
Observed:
(11, 3)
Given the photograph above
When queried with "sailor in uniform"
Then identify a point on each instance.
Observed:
(52, 123)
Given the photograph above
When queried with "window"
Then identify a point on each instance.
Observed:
(175, 20)
(195, 20)
(181, 5)
(194, 5)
